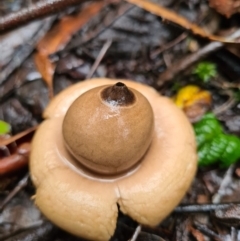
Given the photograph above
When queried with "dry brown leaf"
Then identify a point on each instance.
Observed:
(171, 16)
(58, 37)
(225, 7)
(46, 68)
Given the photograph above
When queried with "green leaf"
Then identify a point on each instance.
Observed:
(206, 129)
(4, 127)
(213, 145)
(231, 152)
(205, 71)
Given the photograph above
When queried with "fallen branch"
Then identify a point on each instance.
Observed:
(40, 9)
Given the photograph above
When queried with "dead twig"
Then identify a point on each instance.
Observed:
(190, 59)
(199, 208)
(106, 24)
(99, 58)
(21, 184)
(7, 141)
(169, 45)
(225, 85)
(225, 106)
(136, 233)
(205, 230)
(225, 183)
(186, 61)
(40, 9)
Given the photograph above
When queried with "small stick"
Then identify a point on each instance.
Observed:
(99, 58)
(209, 233)
(136, 233)
(225, 106)
(225, 183)
(169, 45)
(186, 61)
(79, 41)
(190, 59)
(34, 11)
(201, 207)
(7, 141)
(21, 184)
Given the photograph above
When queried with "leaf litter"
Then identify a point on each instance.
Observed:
(131, 26)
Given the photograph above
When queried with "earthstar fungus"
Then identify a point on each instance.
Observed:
(109, 129)
(105, 143)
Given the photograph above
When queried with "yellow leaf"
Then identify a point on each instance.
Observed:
(193, 101)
